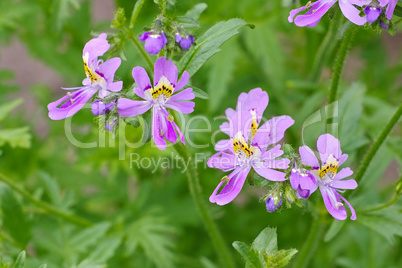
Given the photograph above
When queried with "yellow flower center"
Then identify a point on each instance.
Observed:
(254, 124)
(330, 168)
(164, 88)
(240, 146)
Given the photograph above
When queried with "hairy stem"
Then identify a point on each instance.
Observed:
(46, 207)
(340, 60)
(196, 192)
(376, 145)
(310, 245)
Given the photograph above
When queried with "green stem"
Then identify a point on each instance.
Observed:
(196, 192)
(374, 148)
(311, 244)
(163, 7)
(325, 49)
(340, 60)
(130, 35)
(48, 208)
(384, 205)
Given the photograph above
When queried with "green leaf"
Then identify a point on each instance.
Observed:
(266, 241)
(20, 262)
(199, 93)
(61, 11)
(221, 74)
(208, 45)
(134, 121)
(105, 249)
(249, 255)
(333, 230)
(280, 258)
(187, 22)
(146, 123)
(43, 266)
(13, 218)
(81, 241)
(398, 11)
(386, 222)
(153, 235)
(6, 108)
(196, 11)
(17, 137)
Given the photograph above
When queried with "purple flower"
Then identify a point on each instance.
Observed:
(100, 108)
(110, 123)
(185, 42)
(166, 93)
(100, 77)
(318, 9)
(329, 180)
(247, 146)
(270, 203)
(372, 13)
(302, 181)
(154, 42)
(390, 8)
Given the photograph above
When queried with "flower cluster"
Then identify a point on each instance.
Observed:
(351, 9)
(252, 147)
(165, 92)
(248, 146)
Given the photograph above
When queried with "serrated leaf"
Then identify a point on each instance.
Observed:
(105, 249)
(333, 230)
(386, 222)
(249, 255)
(20, 262)
(6, 108)
(266, 241)
(17, 137)
(280, 258)
(153, 235)
(13, 218)
(81, 241)
(208, 45)
(196, 11)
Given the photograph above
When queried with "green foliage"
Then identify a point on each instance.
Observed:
(264, 253)
(208, 44)
(14, 220)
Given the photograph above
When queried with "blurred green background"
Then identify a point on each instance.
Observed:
(146, 219)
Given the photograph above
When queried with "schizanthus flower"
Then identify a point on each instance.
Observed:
(165, 92)
(154, 41)
(302, 181)
(99, 79)
(318, 9)
(328, 179)
(184, 41)
(247, 146)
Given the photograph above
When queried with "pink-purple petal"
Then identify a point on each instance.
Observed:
(308, 157)
(390, 8)
(352, 210)
(270, 174)
(222, 160)
(328, 145)
(128, 108)
(96, 47)
(167, 69)
(352, 13)
(183, 81)
(343, 184)
(142, 80)
(344, 173)
(231, 189)
(108, 69)
(330, 196)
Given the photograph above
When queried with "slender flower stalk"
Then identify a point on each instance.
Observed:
(46, 207)
(340, 60)
(196, 192)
